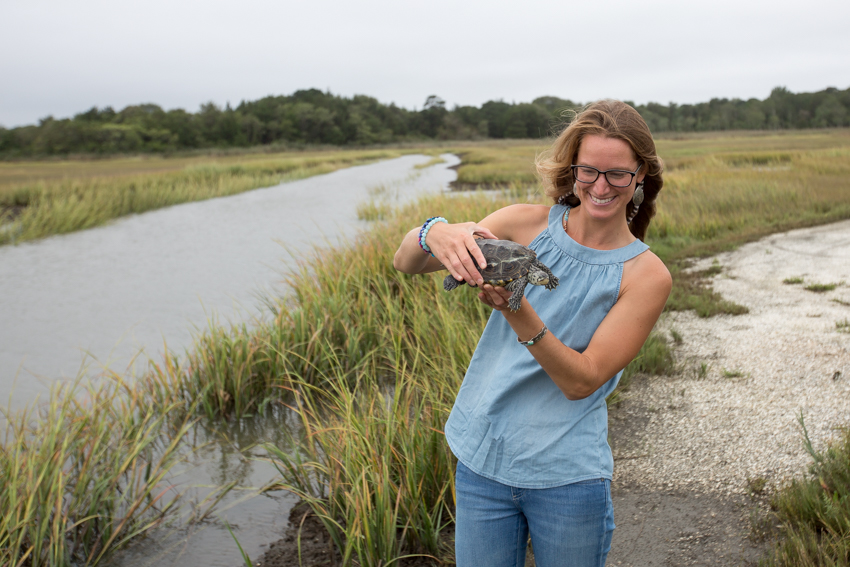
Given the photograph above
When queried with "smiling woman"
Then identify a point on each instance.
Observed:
(529, 425)
(607, 194)
(621, 138)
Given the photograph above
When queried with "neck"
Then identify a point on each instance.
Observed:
(598, 234)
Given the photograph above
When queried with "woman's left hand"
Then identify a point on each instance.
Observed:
(496, 297)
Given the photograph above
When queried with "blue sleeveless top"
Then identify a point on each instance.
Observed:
(510, 422)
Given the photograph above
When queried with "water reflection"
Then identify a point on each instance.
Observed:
(221, 455)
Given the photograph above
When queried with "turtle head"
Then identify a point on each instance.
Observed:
(537, 276)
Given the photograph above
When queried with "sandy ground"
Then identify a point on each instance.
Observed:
(690, 450)
(698, 454)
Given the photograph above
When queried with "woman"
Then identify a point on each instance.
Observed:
(529, 426)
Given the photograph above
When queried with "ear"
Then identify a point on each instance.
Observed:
(641, 174)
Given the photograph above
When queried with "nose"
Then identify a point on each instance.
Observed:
(601, 183)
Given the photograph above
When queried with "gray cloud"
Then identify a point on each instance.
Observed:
(59, 58)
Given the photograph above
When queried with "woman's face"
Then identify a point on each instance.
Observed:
(600, 199)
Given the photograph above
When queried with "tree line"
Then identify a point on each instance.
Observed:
(313, 117)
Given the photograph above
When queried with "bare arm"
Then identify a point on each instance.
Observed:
(452, 244)
(615, 343)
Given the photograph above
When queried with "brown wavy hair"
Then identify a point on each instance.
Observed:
(613, 119)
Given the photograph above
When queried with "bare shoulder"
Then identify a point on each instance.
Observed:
(647, 274)
(520, 222)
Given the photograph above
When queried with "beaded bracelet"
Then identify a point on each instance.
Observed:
(534, 339)
(423, 232)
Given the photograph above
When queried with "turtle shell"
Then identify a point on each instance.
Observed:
(506, 261)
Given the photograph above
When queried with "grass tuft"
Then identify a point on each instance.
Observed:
(83, 474)
(821, 288)
(814, 511)
(676, 336)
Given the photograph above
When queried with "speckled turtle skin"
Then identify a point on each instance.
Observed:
(511, 266)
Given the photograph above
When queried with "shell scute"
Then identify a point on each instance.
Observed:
(506, 261)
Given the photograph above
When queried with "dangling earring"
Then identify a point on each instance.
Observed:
(637, 199)
(562, 200)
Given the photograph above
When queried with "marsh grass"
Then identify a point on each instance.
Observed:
(84, 474)
(429, 163)
(39, 199)
(820, 287)
(498, 164)
(373, 465)
(691, 290)
(814, 511)
(373, 211)
(676, 336)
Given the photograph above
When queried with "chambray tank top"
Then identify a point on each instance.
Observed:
(510, 422)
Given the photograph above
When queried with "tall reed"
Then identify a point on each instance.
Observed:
(372, 464)
(83, 474)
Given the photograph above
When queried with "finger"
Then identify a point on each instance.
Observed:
(478, 256)
(485, 299)
(496, 296)
(463, 269)
(484, 233)
(504, 293)
(473, 260)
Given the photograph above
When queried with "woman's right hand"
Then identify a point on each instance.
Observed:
(452, 245)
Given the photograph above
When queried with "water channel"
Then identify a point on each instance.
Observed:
(113, 296)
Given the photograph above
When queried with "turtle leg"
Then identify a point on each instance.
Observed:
(553, 279)
(451, 283)
(518, 288)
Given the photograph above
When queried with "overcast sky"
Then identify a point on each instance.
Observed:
(60, 57)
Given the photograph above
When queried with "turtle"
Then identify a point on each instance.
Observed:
(512, 266)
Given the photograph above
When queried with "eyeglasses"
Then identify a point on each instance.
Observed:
(615, 177)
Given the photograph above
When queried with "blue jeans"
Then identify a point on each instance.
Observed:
(570, 525)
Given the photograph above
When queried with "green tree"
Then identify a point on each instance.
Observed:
(495, 113)
(432, 116)
(830, 112)
(527, 121)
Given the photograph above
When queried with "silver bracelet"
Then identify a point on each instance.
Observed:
(534, 339)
